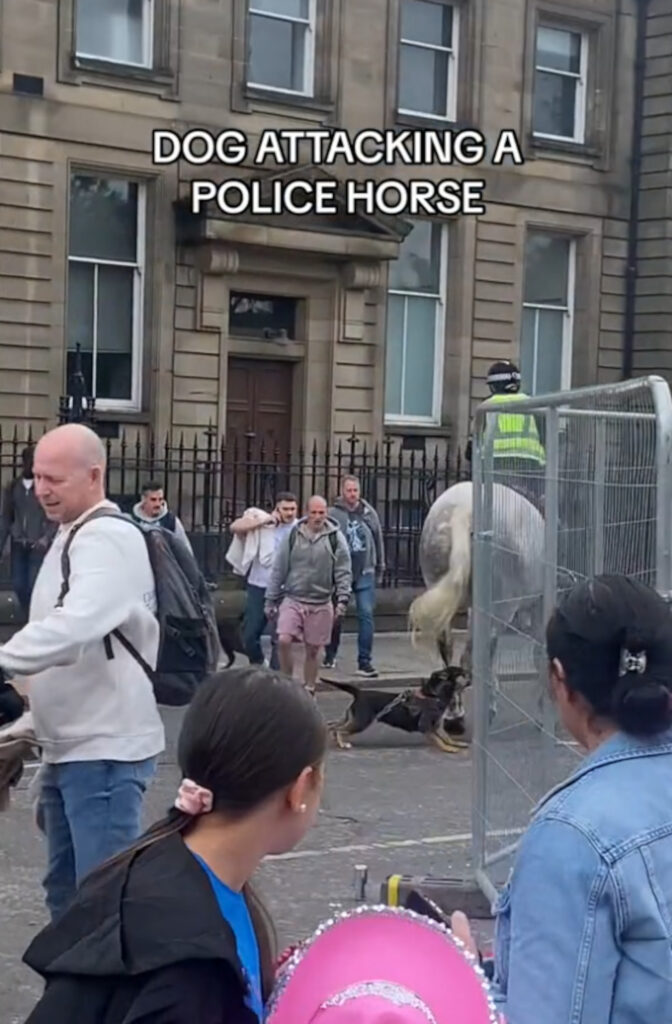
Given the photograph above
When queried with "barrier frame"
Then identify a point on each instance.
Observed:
(551, 407)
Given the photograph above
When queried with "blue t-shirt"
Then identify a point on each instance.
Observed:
(235, 912)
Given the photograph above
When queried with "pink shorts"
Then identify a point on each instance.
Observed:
(310, 623)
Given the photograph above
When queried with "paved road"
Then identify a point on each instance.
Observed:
(382, 799)
(392, 803)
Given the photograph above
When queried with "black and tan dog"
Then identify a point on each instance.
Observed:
(434, 709)
(231, 638)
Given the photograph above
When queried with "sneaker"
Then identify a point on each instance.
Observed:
(329, 663)
(368, 671)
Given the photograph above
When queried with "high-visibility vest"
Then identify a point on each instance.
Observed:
(516, 435)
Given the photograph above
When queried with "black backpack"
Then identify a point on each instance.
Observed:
(189, 647)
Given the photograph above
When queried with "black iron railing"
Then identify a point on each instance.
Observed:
(208, 482)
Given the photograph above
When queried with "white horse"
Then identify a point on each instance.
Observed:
(446, 566)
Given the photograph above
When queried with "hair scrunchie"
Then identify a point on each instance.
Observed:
(193, 799)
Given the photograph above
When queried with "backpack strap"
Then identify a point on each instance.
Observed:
(135, 654)
(101, 513)
(333, 543)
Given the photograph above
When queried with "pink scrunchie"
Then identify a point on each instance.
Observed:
(193, 799)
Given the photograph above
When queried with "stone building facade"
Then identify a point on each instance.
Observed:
(304, 328)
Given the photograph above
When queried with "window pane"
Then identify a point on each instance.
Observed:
(113, 30)
(103, 218)
(419, 264)
(394, 354)
(252, 315)
(423, 80)
(546, 269)
(554, 105)
(114, 351)
(80, 306)
(86, 366)
(277, 53)
(549, 355)
(290, 8)
(421, 344)
(426, 22)
(546, 376)
(559, 50)
(527, 348)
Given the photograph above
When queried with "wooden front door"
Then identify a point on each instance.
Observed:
(260, 403)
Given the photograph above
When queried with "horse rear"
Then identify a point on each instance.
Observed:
(446, 561)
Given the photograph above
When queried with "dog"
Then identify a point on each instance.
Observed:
(434, 709)
(231, 638)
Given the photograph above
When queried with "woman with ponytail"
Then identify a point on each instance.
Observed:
(171, 931)
(584, 927)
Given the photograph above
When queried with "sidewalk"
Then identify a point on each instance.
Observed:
(397, 662)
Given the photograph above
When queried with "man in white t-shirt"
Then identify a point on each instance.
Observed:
(95, 717)
(283, 518)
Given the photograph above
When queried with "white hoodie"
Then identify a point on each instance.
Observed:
(180, 531)
(86, 708)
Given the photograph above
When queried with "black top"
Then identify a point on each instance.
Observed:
(143, 943)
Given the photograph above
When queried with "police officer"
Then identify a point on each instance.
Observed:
(519, 457)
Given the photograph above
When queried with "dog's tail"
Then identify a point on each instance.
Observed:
(350, 688)
(227, 649)
(230, 655)
(432, 613)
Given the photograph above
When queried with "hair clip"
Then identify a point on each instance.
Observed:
(632, 663)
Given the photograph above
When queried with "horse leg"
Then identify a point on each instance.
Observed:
(445, 647)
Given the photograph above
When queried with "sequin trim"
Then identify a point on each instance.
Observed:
(291, 965)
(395, 994)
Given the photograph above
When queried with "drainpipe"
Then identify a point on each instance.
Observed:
(635, 182)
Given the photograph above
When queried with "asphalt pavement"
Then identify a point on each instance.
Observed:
(392, 803)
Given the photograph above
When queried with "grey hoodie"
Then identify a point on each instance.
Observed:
(177, 528)
(372, 559)
(311, 572)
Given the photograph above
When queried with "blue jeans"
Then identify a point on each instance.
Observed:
(25, 563)
(254, 624)
(365, 599)
(91, 810)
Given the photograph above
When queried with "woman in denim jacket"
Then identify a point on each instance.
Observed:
(584, 927)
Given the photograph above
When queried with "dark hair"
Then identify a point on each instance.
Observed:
(229, 744)
(285, 496)
(613, 637)
(152, 485)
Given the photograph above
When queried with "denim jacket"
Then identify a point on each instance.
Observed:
(584, 926)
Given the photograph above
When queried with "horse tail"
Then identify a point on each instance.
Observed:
(433, 611)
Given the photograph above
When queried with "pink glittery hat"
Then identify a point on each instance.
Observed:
(381, 965)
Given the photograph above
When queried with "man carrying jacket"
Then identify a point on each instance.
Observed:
(360, 525)
(27, 527)
(309, 586)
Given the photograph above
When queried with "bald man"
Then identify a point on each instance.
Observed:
(310, 583)
(93, 706)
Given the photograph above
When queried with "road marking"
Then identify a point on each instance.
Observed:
(392, 844)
